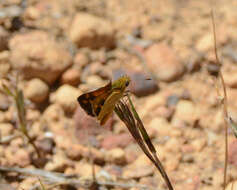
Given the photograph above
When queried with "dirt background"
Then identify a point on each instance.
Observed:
(63, 48)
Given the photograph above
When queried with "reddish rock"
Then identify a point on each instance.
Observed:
(4, 102)
(149, 181)
(231, 78)
(185, 111)
(199, 144)
(80, 60)
(71, 77)
(163, 111)
(95, 33)
(32, 115)
(172, 164)
(53, 113)
(27, 183)
(186, 148)
(232, 153)
(77, 151)
(58, 163)
(139, 85)
(85, 169)
(164, 63)
(205, 43)
(232, 185)
(116, 156)
(87, 126)
(95, 81)
(160, 126)
(194, 183)
(66, 96)
(45, 60)
(4, 38)
(5, 65)
(36, 90)
(140, 168)
(172, 145)
(4, 186)
(18, 157)
(114, 170)
(114, 141)
(46, 145)
(95, 154)
(6, 129)
(32, 13)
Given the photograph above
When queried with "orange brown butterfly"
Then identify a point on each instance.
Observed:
(100, 103)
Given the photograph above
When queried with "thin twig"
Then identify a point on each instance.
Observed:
(62, 179)
(224, 103)
(91, 161)
(7, 139)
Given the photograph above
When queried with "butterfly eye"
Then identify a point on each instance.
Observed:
(127, 83)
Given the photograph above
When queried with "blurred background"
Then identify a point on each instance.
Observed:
(60, 49)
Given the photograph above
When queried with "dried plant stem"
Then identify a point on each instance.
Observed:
(21, 113)
(137, 130)
(92, 162)
(31, 141)
(41, 184)
(62, 179)
(149, 144)
(226, 130)
(19, 100)
(224, 103)
(9, 138)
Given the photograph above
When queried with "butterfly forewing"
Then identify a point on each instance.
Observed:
(93, 101)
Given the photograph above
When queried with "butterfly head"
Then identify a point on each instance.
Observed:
(121, 83)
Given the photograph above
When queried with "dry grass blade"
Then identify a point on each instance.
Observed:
(7, 90)
(138, 131)
(149, 144)
(224, 101)
(41, 184)
(18, 97)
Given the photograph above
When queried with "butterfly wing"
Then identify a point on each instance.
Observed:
(109, 104)
(92, 102)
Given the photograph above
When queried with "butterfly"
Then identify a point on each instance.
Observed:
(100, 103)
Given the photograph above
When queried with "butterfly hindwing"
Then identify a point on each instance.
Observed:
(92, 102)
(109, 105)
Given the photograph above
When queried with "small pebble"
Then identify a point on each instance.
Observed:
(37, 90)
(140, 85)
(66, 96)
(71, 77)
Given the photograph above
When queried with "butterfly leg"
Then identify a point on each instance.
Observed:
(126, 93)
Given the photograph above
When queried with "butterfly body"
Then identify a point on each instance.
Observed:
(100, 103)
